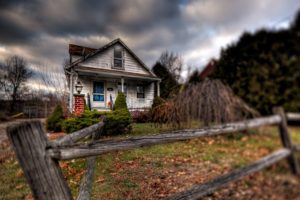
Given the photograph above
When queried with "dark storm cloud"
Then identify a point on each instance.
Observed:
(40, 30)
(23, 20)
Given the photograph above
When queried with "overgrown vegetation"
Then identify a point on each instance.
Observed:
(141, 116)
(55, 120)
(209, 102)
(263, 68)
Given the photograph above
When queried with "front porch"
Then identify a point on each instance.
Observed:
(101, 91)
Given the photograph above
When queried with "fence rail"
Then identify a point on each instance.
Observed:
(38, 156)
(101, 147)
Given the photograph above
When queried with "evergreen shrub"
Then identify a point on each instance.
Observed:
(54, 121)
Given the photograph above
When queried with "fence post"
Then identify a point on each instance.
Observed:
(42, 172)
(286, 141)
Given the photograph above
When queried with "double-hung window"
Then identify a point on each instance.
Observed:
(140, 91)
(118, 58)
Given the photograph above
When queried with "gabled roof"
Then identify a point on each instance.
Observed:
(93, 52)
(80, 50)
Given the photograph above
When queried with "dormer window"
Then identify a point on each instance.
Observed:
(118, 58)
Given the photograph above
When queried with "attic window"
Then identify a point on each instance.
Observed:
(118, 58)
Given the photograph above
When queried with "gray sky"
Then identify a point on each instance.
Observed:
(40, 30)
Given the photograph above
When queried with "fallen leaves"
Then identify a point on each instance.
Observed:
(100, 180)
(19, 173)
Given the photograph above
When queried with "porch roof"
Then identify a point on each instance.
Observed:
(113, 73)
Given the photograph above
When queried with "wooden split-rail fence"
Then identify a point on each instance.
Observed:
(39, 157)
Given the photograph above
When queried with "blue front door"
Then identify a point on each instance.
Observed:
(98, 94)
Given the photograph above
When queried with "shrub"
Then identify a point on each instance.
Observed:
(120, 102)
(157, 101)
(141, 116)
(55, 120)
(166, 112)
(117, 122)
(86, 119)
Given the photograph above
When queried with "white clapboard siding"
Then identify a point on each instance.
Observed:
(104, 60)
(132, 101)
(131, 65)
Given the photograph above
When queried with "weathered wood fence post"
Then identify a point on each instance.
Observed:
(87, 180)
(41, 171)
(286, 141)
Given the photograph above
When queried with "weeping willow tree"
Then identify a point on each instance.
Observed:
(210, 102)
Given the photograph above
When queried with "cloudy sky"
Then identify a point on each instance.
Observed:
(40, 30)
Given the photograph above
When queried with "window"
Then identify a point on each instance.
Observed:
(140, 91)
(98, 91)
(118, 58)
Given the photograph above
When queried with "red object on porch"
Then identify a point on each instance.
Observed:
(79, 104)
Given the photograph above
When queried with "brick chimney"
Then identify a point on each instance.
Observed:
(79, 104)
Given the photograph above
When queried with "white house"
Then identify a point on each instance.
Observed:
(105, 71)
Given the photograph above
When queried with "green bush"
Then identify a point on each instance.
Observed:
(120, 102)
(117, 122)
(55, 120)
(86, 119)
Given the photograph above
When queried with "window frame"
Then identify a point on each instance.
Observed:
(140, 93)
(118, 58)
(98, 93)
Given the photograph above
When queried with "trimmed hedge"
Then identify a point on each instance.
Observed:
(54, 121)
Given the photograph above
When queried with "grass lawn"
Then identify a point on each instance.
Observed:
(158, 171)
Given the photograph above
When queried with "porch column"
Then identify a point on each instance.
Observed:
(71, 93)
(158, 88)
(122, 84)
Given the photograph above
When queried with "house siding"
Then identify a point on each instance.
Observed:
(133, 102)
(104, 60)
